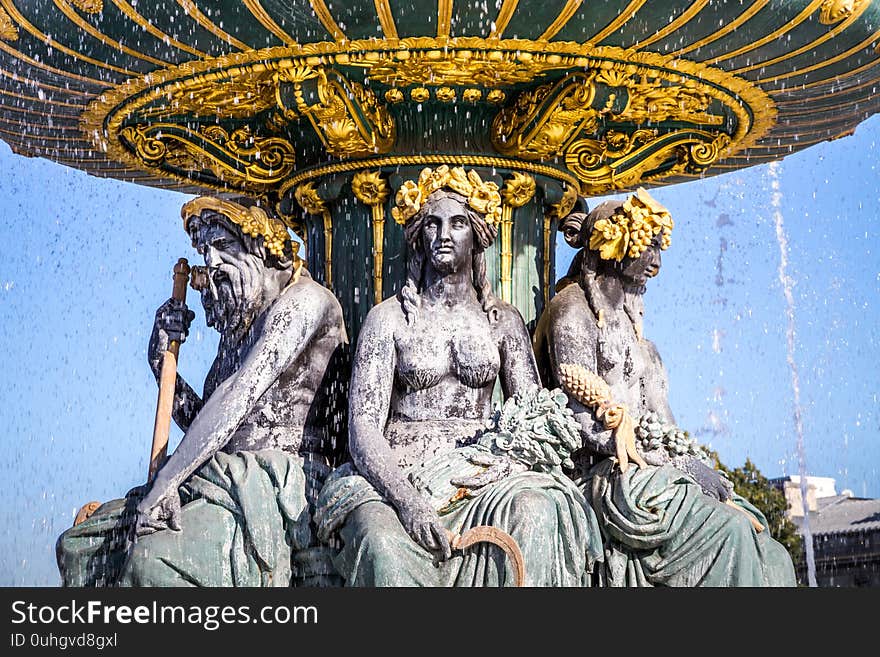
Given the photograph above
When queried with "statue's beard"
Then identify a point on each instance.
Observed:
(232, 299)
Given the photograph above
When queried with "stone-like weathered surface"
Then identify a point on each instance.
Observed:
(431, 357)
(667, 523)
(257, 445)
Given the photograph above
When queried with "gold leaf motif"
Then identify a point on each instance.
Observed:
(482, 196)
(8, 30)
(629, 231)
(445, 94)
(518, 189)
(420, 94)
(89, 6)
(253, 221)
(652, 100)
(370, 187)
(834, 11)
(235, 99)
(491, 68)
(307, 197)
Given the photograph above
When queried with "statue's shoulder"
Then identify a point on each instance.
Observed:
(308, 291)
(384, 316)
(569, 303)
(508, 314)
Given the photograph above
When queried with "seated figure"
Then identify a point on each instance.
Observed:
(667, 518)
(232, 505)
(421, 390)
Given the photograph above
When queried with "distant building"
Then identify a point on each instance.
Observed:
(845, 530)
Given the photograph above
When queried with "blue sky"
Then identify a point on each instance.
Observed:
(84, 263)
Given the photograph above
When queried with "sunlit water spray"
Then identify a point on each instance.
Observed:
(787, 285)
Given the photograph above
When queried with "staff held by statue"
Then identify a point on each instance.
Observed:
(167, 379)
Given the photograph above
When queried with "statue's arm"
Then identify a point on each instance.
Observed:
(287, 331)
(572, 340)
(655, 385)
(172, 323)
(187, 404)
(519, 369)
(372, 380)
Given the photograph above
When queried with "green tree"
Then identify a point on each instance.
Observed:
(757, 489)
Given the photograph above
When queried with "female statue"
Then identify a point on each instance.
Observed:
(667, 518)
(422, 381)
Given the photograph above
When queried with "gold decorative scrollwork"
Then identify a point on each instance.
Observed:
(8, 31)
(834, 11)
(595, 119)
(640, 88)
(348, 118)
(649, 99)
(240, 158)
(239, 98)
(620, 159)
(370, 188)
(542, 122)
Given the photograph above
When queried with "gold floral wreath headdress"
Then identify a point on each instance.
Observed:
(630, 230)
(253, 221)
(482, 197)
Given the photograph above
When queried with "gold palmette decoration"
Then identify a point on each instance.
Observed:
(518, 190)
(592, 391)
(8, 31)
(630, 231)
(253, 221)
(371, 189)
(307, 197)
(482, 197)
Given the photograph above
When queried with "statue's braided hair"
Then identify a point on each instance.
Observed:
(484, 235)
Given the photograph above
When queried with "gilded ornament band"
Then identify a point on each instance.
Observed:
(352, 123)
(427, 160)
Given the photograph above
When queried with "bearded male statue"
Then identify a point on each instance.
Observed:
(232, 506)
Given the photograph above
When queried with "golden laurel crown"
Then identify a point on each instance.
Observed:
(253, 221)
(631, 229)
(482, 197)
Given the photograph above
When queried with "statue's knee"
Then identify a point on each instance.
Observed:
(376, 530)
(533, 504)
(738, 523)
